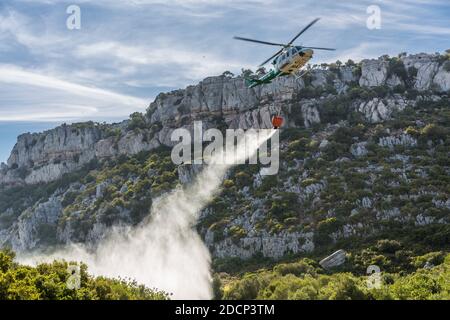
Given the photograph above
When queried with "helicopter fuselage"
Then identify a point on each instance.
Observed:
(288, 62)
(292, 59)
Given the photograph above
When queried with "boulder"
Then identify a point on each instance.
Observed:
(334, 260)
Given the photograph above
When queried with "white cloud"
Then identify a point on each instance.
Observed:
(29, 95)
(364, 50)
(191, 65)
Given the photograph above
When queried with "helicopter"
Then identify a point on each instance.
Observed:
(290, 59)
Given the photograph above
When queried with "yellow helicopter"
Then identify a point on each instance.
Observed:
(288, 60)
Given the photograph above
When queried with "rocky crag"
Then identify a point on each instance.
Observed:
(344, 115)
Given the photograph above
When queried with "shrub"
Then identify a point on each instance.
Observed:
(397, 67)
(434, 132)
(412, 132)
(228, 183)
(137, 121)
(447, 66)
(412, 71)
(388, 246)
(47, 281)
(304, 266)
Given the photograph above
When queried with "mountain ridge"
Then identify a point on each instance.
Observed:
(365, 158)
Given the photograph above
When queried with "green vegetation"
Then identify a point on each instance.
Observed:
(397, 67)
(386, 206)
(137, 121)
(447, 66)
(305, 280)
(412, 188)
(125, 184)
(48, 281)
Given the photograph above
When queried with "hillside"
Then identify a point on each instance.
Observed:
(364, 168)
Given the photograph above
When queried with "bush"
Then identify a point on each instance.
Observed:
(304, 266)
(397, 67)
(447, 66)
(245, 289)
(47, 281)
(137, 121)
(388, 246)
(412, 71)
(434, 132)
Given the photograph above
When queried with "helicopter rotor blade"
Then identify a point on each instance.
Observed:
(316, 48)
(275, 55)
(259, 41)
(303, 30)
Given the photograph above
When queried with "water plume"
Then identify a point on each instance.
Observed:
(164, 251)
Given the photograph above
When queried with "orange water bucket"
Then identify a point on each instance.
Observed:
(277, 122)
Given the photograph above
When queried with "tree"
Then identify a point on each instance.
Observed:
(261, 71)
(228, 74)
(217, 287)
(343, 286)
(350, 63)
(246, 73)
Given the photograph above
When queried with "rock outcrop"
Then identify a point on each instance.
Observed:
(334, 260)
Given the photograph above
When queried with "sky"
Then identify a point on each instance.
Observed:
(128, 51)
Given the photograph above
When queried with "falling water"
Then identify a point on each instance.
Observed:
(164, 251)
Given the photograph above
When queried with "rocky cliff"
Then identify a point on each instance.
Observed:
(376, 122)
(47, 156)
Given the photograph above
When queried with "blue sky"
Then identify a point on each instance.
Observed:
(127, 51)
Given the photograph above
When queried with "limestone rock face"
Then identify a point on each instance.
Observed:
(378, 110)
(319, 78)
(347, 75)
(442, 79)
(24, 233)
(426, 67)
(270, 245)
(359, 149)
(310, 114)
(64, 143)
(394, 81)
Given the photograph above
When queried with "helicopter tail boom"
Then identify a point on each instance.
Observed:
(251, 83)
